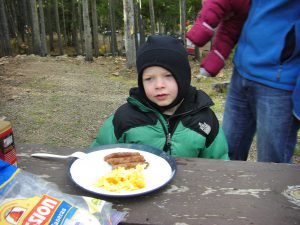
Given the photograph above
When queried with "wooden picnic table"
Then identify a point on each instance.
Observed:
(203, 191)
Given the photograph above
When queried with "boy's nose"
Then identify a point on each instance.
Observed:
(159, 83)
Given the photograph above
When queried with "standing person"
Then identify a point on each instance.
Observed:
(165, 111)
(227, 17)
(264, 92)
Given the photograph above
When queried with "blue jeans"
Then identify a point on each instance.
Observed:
(255, 108)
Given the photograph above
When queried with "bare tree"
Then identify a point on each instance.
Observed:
(64, 23)
(12, 7)
(60, 45)
(6, 48)
(35, 29)
(136, 28)
(80, 28)
(130, 48)
(43, 31)
(152, 17)
(95, 28)
(113, 43)
(87, 31)
(26, 31)
(74, 27)
(182, 19)
(50, 25)
(140, 22)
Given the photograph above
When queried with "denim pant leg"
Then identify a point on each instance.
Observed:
(251, 106)
(239, 120)
(276, 126)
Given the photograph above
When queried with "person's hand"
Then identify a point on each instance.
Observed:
(202, 74)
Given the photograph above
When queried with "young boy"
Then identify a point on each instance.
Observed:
(165, 111)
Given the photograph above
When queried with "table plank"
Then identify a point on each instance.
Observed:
(203, 191)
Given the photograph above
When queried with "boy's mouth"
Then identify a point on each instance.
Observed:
(161, 96)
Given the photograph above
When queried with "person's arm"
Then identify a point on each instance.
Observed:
(210, 15)
(226, 37)
(218, 149)
(106, 134)
(230, 16)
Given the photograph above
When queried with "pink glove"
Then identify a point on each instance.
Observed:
(213, 62)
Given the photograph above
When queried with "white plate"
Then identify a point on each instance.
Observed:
(86, 172)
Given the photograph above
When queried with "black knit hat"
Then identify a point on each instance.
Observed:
(169, 53)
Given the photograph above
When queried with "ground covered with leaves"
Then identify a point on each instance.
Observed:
(63, 101)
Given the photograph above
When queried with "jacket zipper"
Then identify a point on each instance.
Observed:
(167, 146)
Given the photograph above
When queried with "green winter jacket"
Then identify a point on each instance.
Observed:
(193, 131)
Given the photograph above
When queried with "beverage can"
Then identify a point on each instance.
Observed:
(7, 145)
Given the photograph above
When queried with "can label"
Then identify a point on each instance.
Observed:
(7, 147)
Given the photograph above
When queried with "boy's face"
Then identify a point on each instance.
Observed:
(160, 86)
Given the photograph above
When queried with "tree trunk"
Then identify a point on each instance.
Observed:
(30, 25)
(35, 29)
(197, 53)
(141, 27)
(13, 6)
(80, 28)
(182, 19)
(9, 18)
(113, 43)
(64, 23)
(129, 33)
(152, 17)
(27, 26)
(160, 26)
(74, 28)
(43, 32)
(60, 46)
(87, 31)
(50, 25)
(136, 28)
(6, 48)
(95, 28)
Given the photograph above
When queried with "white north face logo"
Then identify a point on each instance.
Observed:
(205, 127)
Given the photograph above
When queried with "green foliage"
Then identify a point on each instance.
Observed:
(167, 12)
(167, 15)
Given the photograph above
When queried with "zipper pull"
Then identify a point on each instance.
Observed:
(169, 139)
(168, 144)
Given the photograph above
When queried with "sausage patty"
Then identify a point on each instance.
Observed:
(125, 159)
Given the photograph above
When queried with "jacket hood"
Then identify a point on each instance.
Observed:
(169, 53)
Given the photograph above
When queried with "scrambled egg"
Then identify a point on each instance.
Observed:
(120, 179)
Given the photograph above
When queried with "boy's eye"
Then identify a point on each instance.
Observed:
(147, 79)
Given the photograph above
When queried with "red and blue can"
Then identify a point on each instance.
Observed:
(7, 145)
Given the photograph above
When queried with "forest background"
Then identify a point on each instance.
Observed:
(66, 65)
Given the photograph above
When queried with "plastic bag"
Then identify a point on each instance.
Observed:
(29, 200)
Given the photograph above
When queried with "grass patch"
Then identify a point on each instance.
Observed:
(39, 84)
